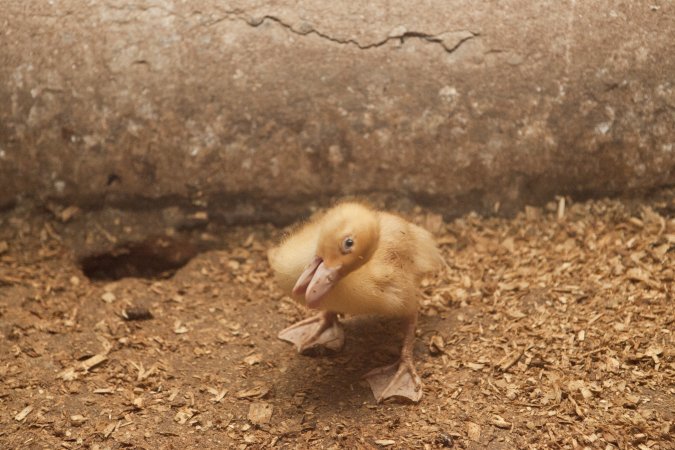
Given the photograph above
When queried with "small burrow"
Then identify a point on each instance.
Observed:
(158, 257)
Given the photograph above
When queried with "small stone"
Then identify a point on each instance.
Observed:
(137, 313)
(436, 345)
(179, 328)
(631, 401)
(445, 440)
(77, 419)
(108, 297)
(499, 422)
(254, 359)
(68, 213)
(448, 93)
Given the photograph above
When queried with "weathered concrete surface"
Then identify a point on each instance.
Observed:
(232, 105)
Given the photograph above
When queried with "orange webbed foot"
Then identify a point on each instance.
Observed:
(398, 380)
(317, 334)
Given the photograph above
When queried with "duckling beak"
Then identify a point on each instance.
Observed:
(306, 277)
(316, 281)
(323, 280)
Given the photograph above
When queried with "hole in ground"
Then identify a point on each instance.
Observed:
(157, 257)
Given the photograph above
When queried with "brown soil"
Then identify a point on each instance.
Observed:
(550, 330)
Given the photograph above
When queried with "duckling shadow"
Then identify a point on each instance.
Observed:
(336, 380)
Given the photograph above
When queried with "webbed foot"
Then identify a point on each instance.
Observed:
(400, 379)
(317, 334)
(396, 380)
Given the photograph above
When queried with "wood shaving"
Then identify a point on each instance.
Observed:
(23, 414)
(260, 413)
(93, 362)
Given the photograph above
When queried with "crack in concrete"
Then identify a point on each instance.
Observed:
(450, 41)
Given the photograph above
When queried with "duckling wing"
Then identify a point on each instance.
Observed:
(425, 254)
(409, 246)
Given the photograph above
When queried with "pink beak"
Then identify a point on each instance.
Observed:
(316, 281)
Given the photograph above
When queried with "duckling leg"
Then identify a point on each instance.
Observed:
(399, 379)
(316, 334)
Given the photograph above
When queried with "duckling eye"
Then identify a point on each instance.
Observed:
(347, 245)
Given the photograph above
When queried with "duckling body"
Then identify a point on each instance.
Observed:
(355, 260)
(386, 284)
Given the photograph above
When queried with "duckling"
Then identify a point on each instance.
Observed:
(353, 259)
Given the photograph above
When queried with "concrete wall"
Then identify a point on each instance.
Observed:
(233, 105)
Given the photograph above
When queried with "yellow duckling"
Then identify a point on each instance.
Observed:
(356, 260)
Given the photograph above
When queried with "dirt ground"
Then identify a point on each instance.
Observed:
(553, 329)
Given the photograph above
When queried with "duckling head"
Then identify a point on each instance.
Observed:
(348, 238)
